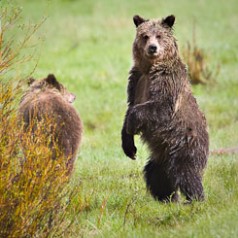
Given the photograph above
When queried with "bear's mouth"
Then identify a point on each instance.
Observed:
(152, 55)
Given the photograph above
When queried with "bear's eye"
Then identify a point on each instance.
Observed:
(145, 37)
(158, 36)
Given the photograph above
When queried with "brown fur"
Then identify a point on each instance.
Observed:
(47, 100)
(162, 109)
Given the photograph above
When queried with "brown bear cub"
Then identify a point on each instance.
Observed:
(49, 102)
(162, 109)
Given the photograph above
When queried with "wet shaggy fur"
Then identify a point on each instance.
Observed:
(49, 102)
(163, 111)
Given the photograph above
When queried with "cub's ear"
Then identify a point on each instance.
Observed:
(168, 21)
(30, 81)
(138, 20)
(52, 81)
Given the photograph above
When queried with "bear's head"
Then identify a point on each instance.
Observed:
(154, 40)
(50, 84)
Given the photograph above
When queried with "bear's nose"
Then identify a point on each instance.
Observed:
(71, 98)
(152, 49)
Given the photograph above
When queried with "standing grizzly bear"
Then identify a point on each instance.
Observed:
(48, 102)
(162, 109)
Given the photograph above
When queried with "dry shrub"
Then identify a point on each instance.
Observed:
(36, 196)
(196, 60)
(35, 191)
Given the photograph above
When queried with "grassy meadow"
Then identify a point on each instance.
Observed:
(87, 45)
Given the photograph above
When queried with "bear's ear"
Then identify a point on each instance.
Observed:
(30, 81)
(168, 21)
(138, 20)
(52, 81)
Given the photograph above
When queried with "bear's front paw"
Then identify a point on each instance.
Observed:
(128, 145)
(130, 150)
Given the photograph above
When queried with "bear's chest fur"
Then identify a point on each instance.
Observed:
(142, 89)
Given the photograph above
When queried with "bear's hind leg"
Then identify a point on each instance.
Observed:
(191, 186)
(158, 182)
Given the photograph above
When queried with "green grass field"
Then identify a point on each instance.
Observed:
(87, 45)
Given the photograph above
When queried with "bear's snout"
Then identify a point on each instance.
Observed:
(152, 49)
(71, 98)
